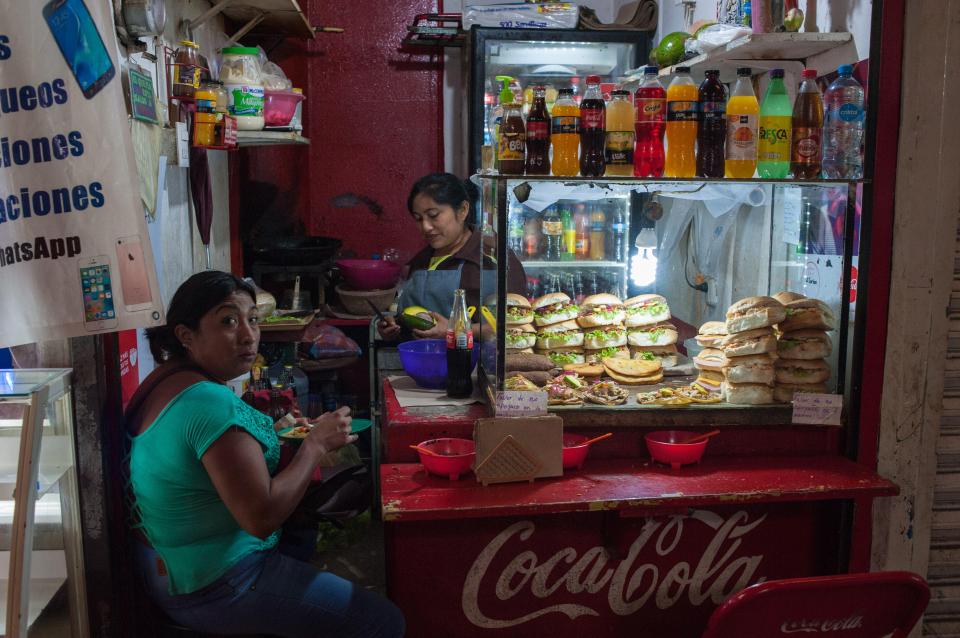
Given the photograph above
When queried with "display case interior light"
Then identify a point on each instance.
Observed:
(643, 265)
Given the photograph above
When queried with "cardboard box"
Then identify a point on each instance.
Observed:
(518, 448)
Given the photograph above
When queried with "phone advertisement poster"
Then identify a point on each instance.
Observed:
(75, 257)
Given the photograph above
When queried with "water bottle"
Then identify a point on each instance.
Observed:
(843, 127)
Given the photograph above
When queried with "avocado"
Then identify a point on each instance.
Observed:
(416, 318)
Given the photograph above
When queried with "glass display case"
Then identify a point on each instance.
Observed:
(40, 537)
(676, 255)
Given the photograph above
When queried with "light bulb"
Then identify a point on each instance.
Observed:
(643, 267)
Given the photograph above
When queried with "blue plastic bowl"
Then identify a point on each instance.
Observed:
(425, 360)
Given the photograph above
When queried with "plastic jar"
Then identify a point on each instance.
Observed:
(241, 76)
(205, 99)
(216, 87)
(186, 69)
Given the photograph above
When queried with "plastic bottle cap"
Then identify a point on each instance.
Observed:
(710, 72)
(744, 71)
(189, 43)
(682, 69)
(593, 79)
(651, 70)
(296, 90)
(620, 92)
(776, 73)
(240, 51)
(810, 73)
(506, 93)
(565, 92)
(845, 69)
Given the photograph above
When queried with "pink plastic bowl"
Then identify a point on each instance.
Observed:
(667, 447)
(574, 452)
(370, 274)
(278, 107)
(457, 457)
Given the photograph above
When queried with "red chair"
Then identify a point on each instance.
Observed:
(875, 605)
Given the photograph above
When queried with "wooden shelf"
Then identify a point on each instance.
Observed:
(773, 50)
(279, 17)
(270, 138)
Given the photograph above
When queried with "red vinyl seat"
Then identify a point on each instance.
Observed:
(871, 605)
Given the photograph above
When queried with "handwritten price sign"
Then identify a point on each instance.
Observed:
(521, 403)
(817, 409)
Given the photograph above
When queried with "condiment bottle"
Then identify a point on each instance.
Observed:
(186, 69)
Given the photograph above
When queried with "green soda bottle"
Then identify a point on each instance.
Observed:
(776, 116)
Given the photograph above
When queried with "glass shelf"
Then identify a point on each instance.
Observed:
(668, 180)
(19, 384)
(537, 263)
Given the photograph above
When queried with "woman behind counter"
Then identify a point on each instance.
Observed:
(207, 492)
(441, 205)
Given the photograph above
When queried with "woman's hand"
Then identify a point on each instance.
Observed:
(331, 431)
(438, 331)
(388, 328)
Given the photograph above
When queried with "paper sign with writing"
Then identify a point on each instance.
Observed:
(143, 103)
(521, 403)
(817, 409)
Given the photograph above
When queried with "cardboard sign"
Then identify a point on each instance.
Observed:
(521, 403)
(534, 448)
(817, 409)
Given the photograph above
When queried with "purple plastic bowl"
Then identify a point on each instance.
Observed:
(426, 361)
(369, 274)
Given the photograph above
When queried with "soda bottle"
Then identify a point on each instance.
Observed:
(578, 295)
(569, 285)
(515, 234)
(620, 134)
(531, 238)
(592, 130)
(592, 287)
(569, 234)
(512, 146)
(681, 125)
(496, 115)
(581, 222)
(459, 349)
(843, 127)
(565, 134)
(538, 134)
(650, 101)
(742, 124)
(807, 129)
(712, 128)
(773, 151)
(614, 287)
(618, 236)
(553, 234)
(598, 221)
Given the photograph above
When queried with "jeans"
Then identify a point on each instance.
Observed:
(270, 593)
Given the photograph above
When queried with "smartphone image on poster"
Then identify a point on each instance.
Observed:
(80, 43)
(134, 283)
(99, 311)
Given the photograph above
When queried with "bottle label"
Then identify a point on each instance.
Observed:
(619, 147)
(553, 228)
(460, 341)
(582, 245)
(806, 145)
(713, 111)
(243, 99)
(682, 111)
(565, 124)
(742, 137)
(511, 147)
(650, 109)
(537, 131)
(850, 112)
(774, 145)
(592, 118)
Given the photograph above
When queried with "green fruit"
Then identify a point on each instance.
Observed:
(793, 20)
(700, 26)
(417, 318)
(670, 49)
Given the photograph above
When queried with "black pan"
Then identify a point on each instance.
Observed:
(297, 251)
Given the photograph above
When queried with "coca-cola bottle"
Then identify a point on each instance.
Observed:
(459, 349)
(593, 130)
(538, 134)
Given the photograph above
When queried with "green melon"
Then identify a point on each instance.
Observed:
(670, 49)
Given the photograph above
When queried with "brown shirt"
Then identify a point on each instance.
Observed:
(470, 256)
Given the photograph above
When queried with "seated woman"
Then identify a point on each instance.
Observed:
(441, 205)
(208, 496)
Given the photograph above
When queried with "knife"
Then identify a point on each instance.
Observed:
(375, 310)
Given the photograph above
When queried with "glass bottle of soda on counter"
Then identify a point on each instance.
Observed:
(459, 349)
(538, 134)
(593, 133)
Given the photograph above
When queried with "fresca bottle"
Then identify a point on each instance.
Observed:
(742, 128)
(681, 125)
(843, 127)
(776, 124)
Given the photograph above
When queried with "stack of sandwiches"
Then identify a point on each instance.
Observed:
(711, 360)
(750, 348)
(803, 347)
(558, 335)
(520, 335)
(649, 335)
(604, 335)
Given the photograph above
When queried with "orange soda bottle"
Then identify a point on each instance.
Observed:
(565, 135)
(743, 121)
(682, 96)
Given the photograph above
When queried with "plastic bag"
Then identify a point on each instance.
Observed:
(548, 15)
(329, 342)
(716, 35)
(274, 79)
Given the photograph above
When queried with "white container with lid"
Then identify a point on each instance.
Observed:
(241, 76)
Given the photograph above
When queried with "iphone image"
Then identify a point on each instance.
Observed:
(134, 283)
(99, 311)
(80, 43)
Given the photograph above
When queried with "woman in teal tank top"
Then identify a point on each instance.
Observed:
(209, 499)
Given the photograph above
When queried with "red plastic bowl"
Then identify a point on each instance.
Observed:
(667, 447)
(279, 106)
(370, 274)
(457, 456)
(574, 452)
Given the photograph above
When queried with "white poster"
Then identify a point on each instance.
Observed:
(75, 257)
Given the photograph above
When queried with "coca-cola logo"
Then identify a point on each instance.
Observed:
(630, 584)
(810, 626)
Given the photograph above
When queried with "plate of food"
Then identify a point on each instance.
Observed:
(606, 393)
(301, 430)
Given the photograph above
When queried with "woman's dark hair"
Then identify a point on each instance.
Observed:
(194, 298)
(446, 188)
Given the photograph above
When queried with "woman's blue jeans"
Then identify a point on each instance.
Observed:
(271, 593)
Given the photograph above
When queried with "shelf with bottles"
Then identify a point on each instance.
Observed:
(584, 263)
